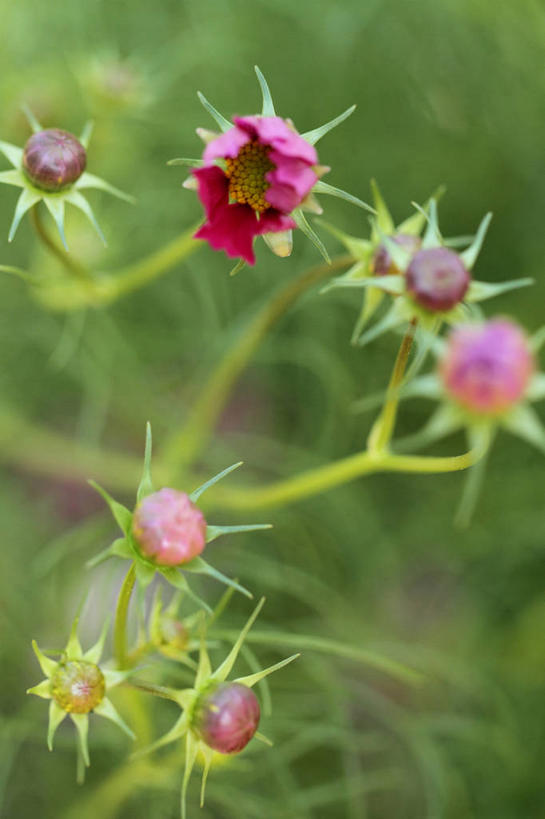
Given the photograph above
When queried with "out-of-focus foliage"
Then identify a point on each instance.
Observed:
(447, 91)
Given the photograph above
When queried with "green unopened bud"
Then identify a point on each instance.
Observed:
(54, 159)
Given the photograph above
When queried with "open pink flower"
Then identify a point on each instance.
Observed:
(267, 170)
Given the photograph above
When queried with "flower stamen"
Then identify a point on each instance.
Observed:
(246, 174)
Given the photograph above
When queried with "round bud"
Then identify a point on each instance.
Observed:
(226, 717)
(54, 159)
(437, 278)
(77, 686)
(487, 367)
(168, 528)
(383, 264)
(173, 633)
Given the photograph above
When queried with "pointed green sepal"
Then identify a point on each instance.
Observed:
(240, 265)
(330, 190)
(200, 566)
(81, 721)
(223, 123)
(42, 690)
(187, 162)
(145, 486)
(479, 291)
(213, 532)
(302, 223)
(317, 133)
(145, 572)
(469, 256)
(268, 105)
(32, 121)
(223, 671)
(195, 495)
(176, 578)
(56, 716)
(252, 679)
(48, 666)
(106, 709)
(121, 514)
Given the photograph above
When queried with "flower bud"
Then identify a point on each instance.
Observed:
(383, 264)
(173, 633)
(487, 367)
(168, 528)
(226, 717)
(437, 278)
(77, 686)
(54, 159)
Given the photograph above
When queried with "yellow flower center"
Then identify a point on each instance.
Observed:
(246, 174)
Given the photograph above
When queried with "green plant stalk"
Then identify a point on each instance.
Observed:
(186, 444)
(383, 428)
(74, 268)
(120, 624)
(327, 477)
(105, 289)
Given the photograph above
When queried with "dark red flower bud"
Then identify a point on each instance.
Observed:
(226, 717)
(383, 264)
(54, 159)
(77, 686)
(437, 278)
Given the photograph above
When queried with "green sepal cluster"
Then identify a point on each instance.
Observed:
(73, 653)
(55, 202)
(403, 308)
(186, 698)
(126, 547)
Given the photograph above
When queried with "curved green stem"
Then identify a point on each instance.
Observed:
(120, 625)
(334, 474)
(383, 428)
(75, 268)
(185, 444)
(105, 289)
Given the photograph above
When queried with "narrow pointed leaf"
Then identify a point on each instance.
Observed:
(537, 340)
(262, 738)
(251, 679)
(361, 249)
(13, 153)
(145, 486)
(144, 573)
(56, 209)
(93, 654)
(372, 299)
(444, 421)
(317, 133)
(473, 485)
(391, 319)
(43, 689)
(223, 123)
(89, 180)
(469, 256)
(195, 495)
(32, 121)
(330, 190)
(177, 579)
(536, 390)
(106, 709)
(48, 666)
(391, 284)
(81, 721)
(524, 422)
(432, 236)
(384, 220)
(479, 291)
(26, 200)
(240, 265)
(186, 162)
(86, 134)
(400, 255)
(114, 677)
(213, 532)
(121, 514)
(204, 669)
(302, 224)
(200, 566)
(224, 669)
(56, 716)
(73, 646)
(79, 201)
(191, 747)
(13, 177)
(208, 754)
(177, 731)
(268, 105)
(119, 548)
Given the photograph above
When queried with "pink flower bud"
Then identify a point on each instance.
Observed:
(383, 264)
(54, 159)
(226, 717)
(168, 528)
(437, 278)
(487, 367)
(77, 686)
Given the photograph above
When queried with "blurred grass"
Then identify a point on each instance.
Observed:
(448, 91)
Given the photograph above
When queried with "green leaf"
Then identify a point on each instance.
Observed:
(56, 716)
(43, 689)
(32, 121)
(81, 721)
(317, 133)
(525, 422)
(200, 566)
(384, 221)
(223, 123)
(79, 201)
(191, 748)
(213, 532)
(121, 514)
(268, 105)
(323, 187)
(89, 180)
(187, 162)
(176, 578)
(145, 486)
(238, 267)
(144, 572)
(13, 177)
(251, 679)
(223, 671)
(48, 666)
(26, 200)
(107, 710)
(302, 224)
(479, 291)
(388, 322)
(86, 133)
(195, 495)
(13, 153)
(55, 207)
(469, 256)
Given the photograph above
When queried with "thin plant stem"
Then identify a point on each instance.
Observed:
(327, 477)
(73, 267)
(186, 444)
(383, 428)
(120, 625)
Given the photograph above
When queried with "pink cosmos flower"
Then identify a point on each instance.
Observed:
(266, 171)
(487, 367)
(168, 528)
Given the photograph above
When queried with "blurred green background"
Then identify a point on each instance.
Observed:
(448, 91)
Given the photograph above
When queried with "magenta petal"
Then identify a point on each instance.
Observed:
(226, 145)
(232, 229)
(290, 182)
(213, 188)
(275, 131)
(273, 222)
